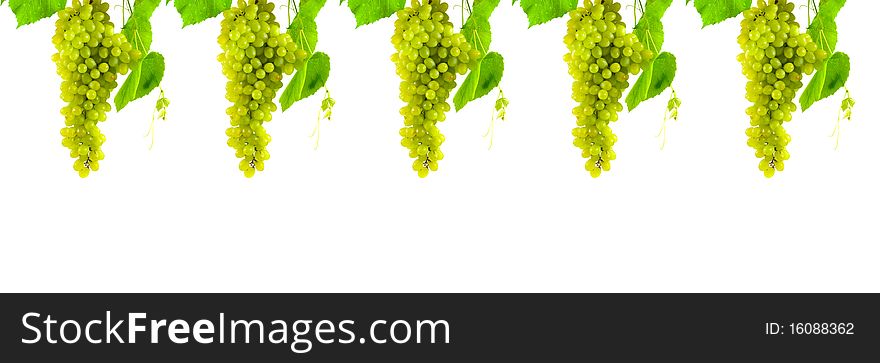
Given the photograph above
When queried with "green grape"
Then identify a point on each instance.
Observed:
(89, 59)
(257, 54)
(601, 56)
(429, 55)
(775, 57)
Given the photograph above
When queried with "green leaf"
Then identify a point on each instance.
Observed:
(654, 80)
(484, 8)
(31, 11)
(649, 30)
(830, 78)
(656, 8)
(137, 28)
(369, 11)
(485, 77)
(307, 80)
(716, 11)
(831, 7)
(823, 29)
(303, 29)
(310, 8)
(478, 32)
(145, 76)
(304, 32)
(145, 8)
(542, 11)
(197, 11)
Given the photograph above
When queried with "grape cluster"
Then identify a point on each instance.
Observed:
(429, 55)
(89, 59)
(601, 57)
(256, 55)
(775, 57)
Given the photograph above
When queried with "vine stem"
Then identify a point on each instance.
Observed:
(666, 117)
(635, 12)
(462, 12)
(316, 132)
(811, 5)
(295, 12)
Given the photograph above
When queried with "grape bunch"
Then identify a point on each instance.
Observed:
(429, 55)
(601, 56)
(775, 57)
(89, 59)
(256, 56)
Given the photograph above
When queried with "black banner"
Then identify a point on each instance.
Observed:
(438, 327)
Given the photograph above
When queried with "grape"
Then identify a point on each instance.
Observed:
(601, 56)
(775, 57)
(90, 56)
(256, 56)
(429, 55)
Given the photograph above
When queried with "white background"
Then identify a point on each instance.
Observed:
(523, 217)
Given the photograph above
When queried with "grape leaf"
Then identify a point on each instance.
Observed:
(542, 11)
(823, 29)
(655, 78)
(831, 7)
(304, 32)
(197, 11)
(478, 32)
(145, 76)
(484, 78)
(139, 23)
(830, 78)
(31, 11)
(484, 8)
(649, 30)
(370, 11)
(311, 8)
(307, 80)
(656, 8)
(716, 11)
(303, 29)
